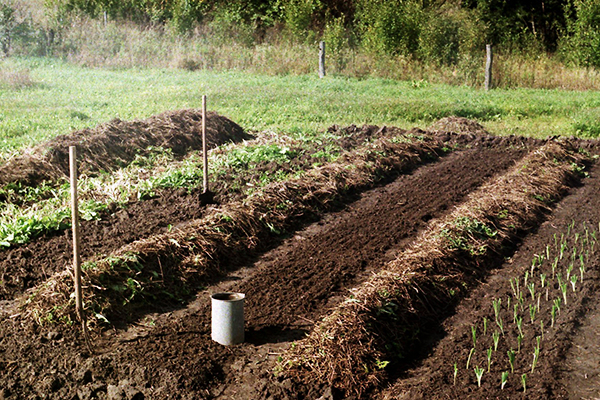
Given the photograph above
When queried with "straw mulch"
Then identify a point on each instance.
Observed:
(174, 264)
(379, 321)
(117, 143)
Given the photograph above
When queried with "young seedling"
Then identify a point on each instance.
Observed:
(519, 341)
(508, 301)
(485, 322)
(503, 379)
(569, 270)
(538, 301)
(532, 313)
(497, 303)
(573, 282)
(543, 279)
(563, 248)
(511, 360)
(489, 358)
(531, 288)
(581, 269)
(554, 265)
(542, 328)
(455, 372)
(479, 375)
(470, 355)
(520, 324)
(526, 278)
(474, 335)
(536, 354)
(548, 252)
(576, 237)
(563, 289)
(515, 313)
(524, 382)
(512, 286)
(500, 324)
(496, 339)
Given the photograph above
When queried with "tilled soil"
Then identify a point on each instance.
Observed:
(171, 355)
(568, 366)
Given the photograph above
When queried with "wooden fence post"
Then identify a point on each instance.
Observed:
(488, 66)
(76, 240)
(321, 59)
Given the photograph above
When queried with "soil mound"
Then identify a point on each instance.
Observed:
(117, 143)
(458, 125)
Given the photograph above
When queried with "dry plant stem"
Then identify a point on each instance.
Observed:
(341, 350)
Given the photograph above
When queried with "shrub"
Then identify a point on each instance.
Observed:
(391, 27)
(582, 46)
(449, 33)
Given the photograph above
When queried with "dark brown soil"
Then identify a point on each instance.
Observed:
(566, 370)
(170, 354)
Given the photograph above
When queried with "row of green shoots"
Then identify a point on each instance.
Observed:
(514, 339)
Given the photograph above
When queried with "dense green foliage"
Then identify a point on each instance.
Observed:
(443, 31)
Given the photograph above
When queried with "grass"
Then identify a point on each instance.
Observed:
(63, 97)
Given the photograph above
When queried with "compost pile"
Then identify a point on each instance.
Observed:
(365, 274)
(117, 143)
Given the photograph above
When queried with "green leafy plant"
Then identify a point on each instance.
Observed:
(536, 353)
(511, 360)
(524, 382)
(573, 281)
(503, 379)
(496, 339)
(455, 372)
(479, 374)
(532, 310)
(474, 335)
(489, 358)
(531, 288)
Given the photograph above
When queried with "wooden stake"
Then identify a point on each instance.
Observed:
(75, 218)
(204, 146)
(488, 66)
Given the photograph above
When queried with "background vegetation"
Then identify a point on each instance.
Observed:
(544, 44)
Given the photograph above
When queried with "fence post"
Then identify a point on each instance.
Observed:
(321, 59)
(488, 66)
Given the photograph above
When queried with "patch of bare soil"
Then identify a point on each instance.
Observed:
(171, 355)
(117, 143)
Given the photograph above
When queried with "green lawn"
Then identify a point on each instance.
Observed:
(66, 97)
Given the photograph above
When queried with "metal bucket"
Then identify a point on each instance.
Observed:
(227, 320)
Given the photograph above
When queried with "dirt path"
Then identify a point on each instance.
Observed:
(569, 361)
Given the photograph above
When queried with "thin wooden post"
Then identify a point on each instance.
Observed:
(321, 59)
(204, 146)
(488, 66)
(76, 240)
